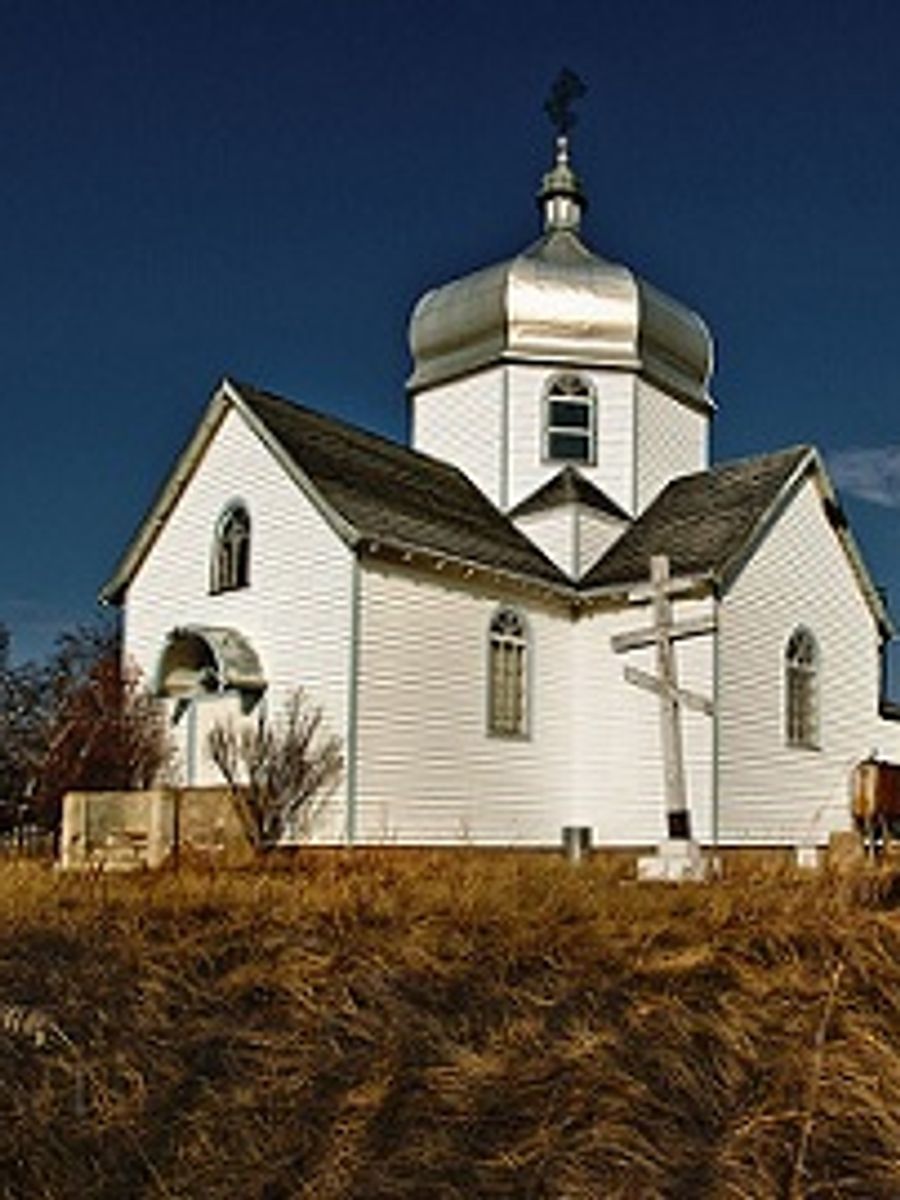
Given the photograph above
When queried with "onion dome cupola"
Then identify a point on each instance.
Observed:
(559, 303)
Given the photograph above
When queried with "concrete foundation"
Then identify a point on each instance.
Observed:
(677, 860)
(127, 831)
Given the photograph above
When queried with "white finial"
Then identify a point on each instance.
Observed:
(561, 197)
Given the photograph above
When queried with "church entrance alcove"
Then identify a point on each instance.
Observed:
(208, 675)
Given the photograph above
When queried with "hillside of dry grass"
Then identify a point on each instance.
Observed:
(389, 1025)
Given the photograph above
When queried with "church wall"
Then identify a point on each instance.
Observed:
(528, 468)
(770, 792)
(429, 771)
(295, 611)
(596, 533)
(619, 783)
(574, 536)
(462, 423)
(672, 439)
(554, 532)
(886, 739)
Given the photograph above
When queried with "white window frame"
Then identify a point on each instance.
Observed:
(573, 389)
(508, 674)
(802, 690)
(230, 559)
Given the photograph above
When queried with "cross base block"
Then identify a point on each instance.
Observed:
(677, 860)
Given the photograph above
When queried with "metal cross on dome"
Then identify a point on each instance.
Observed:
(663, 634)
(567, 88)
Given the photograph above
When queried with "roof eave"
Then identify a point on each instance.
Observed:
(227, 395)
(113, 591)
(810, 464)
(345, 530)
(639, 591)
(379, 546)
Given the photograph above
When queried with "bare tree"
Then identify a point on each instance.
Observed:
(106, 732)
(280, 773)
(77, 722)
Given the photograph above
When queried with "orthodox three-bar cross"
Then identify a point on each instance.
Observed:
(663, 634)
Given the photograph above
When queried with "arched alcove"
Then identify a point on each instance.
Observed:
(198, 660)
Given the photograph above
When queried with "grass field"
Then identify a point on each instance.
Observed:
(457, 1025)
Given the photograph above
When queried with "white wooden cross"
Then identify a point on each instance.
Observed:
(663, 634)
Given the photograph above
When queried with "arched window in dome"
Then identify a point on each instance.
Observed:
(801, 689)
(570, 420)
(230, 567)
(508, 674)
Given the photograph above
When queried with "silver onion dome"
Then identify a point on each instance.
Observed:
(558, 302)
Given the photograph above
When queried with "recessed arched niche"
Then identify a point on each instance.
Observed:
(204, 660)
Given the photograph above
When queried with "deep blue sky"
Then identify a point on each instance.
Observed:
(264, 188)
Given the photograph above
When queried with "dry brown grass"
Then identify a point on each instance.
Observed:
(391, 1025)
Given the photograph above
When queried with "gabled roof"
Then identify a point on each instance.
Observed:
(569, 486)
(710, 523)
(699, 520)
(370, 489)
(390, 493)
(375, 492)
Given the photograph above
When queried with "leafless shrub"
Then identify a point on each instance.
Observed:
(279, 773)
(80, 721)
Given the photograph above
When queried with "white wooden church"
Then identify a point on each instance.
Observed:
(474, 613)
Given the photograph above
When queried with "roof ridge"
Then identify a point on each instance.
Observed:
(699, 519)
(584, 490)
(344, 425)
(387, 492)
(787, 451)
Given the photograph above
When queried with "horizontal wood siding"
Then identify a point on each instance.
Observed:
(429, 772)
(619, 779)
(295, 612)
(572, 535)
(596, 533)
(672, 439)
(770, 792)
(528, 468)
(554, 532)
(886, 742)
(461, 423)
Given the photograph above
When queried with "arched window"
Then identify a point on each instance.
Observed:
(801, 689)
(231, 550)
(508, 674)
(570, 420)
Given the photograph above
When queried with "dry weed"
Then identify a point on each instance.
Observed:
(403, 1025)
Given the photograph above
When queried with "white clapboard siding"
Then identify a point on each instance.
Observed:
(672, 439)
(771, 792)
(619, 784)
(572, 535)
(886, 740)
(295, 612)
(491, 425)
(462, 423)
(528, 466)
(429, 771)
(596, 532)
(554, 532)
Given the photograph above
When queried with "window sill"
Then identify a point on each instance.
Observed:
(223, 591)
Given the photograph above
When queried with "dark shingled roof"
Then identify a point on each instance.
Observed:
(700, 521)
(569, 486)
(390, 493)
